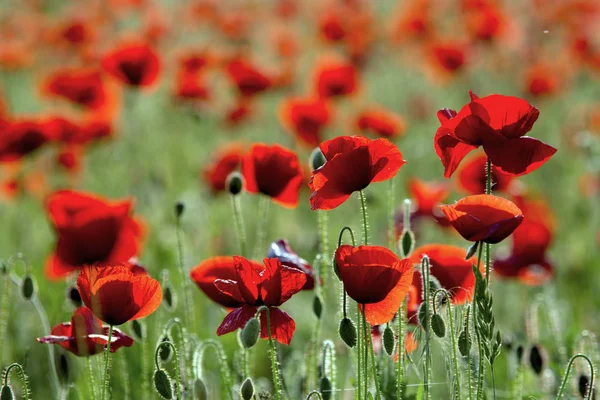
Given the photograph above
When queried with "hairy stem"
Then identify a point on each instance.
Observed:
(363, 206)
(107, 365)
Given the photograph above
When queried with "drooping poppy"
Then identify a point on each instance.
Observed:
(254, 286)
(247, 78)
(380, 122)
(84, 87)
(134, 64)
(90, 230)
(282, 250)
(305, 117)
(85, 336)
(115, 294)
(335, 78)
(273, 171)
(23, 136)
(227, 160)
(375, 278)
(498, 123)
(472, 176)
(483, 218)
(353, 162)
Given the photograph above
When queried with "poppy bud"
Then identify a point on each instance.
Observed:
(179, 208)
(317, 159)
(583, 386)
(165, 352)
(235, 183)
(388, 340)
(537, 359)
(247, 389)
(519, 353)
(407, 243)
(437, 325)
(138, 329)
(250, 333)
(7, 393)
(464, 342)
(163, 384)
(74, 296)
(471, 250)
(348, 332)
(318, 306)
(423, 315)
(169, 297)
(64, 368)
(200, 391)
(27, 287)
(3, 268)
(325, 388)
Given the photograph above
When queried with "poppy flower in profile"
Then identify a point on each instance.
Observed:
(485, 23)
(353, 162)
(273, 171)
(90, 230)
(413, 22)
(228, 159)
(380, 122)
(21, 137)
(238, 113)
(498, 123)
(332, 26)
(306, 118)
(541, 80)
(248, 79)
(528, 261)
(375, 278)
(133, 64)
(254, 286)
(472, 176)
(281, 250)
(84, 87)
(334, 78)
(448, 56)
(115, 294)
(191, 86)
(85, 336)
(483, 218)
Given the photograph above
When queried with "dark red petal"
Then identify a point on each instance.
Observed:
(509, 115)
(342, 144)
(450, 150)
(248, 278)
(282, 326)
(519, 156)
(205, 274)
(236, 319)
(281, 249)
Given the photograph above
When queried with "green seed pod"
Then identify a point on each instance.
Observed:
(423, 315)
(317, 159)
(165, 353)
(247, 389)
(464, 342)
(318, 306)
(6, 393)
(163, 384)
(179, 208)
(139, 329)
(388, 340)
(235, 183)
(347, 332)
(438, 326)
(200, 390)
(407, 243)
(250, 333)
(27, 287)
(325, 388)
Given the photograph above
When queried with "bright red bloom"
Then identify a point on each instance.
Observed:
(85, 336)
(485, 23)
(449, 56)
(498, 123)
(239, 113)
(84, 87)
(483, 218)
(335, 79)
(541, 80)
(375, 277)
(381, 122)
(228, 160)
(90, 230)
(254, 286)
(527, 261)
(248, 79)
(191, 86)
(281, 250)
(305, 117)
(332, 25)
(273, 171)
(427, 195)
(115, 294)
(472, 176)
(21, 137)
(134, 64)
(353, 162)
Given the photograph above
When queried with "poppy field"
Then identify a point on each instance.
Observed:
(290, 199)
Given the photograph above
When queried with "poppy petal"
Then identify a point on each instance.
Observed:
(519, 156)
(282, 326)
(236, 319)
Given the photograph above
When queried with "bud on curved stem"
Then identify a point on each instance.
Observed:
(568, 372)
(226, 382)
(176, 359)
(6, 390)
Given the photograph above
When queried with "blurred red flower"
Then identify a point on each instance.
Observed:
(227, 160)
(134, 64)
(305, 117)
(23, 136)
(380, 122)
(84, 87)
(472, 176)
(448, 56)
(248, 79)
(334, 78)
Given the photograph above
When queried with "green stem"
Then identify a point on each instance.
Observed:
(363, 206)
(488, 190)
(107, 365)
(590, 391)
(400, 367)
(369, 337)
(322, 222)
(4, 305)
(226, 381)
(273, 355)
(22, 376)
(238, 220)
(262, 224)
(124, 372)
(359, 349)
(92, 377)
(480, 368)
(189, 317)
(184, 343)
(145, 372)
(391, 220)
(426, 297)
(315, 393)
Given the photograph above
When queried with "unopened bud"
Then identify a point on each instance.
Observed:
(138, 329)
(163, 384)
(27, 287)
(437, 325)
(407, 243)
(247, 389)
(74, 296)
(317, 159)
(6, 393)
(249, 335)
(235, 183)
(325, 388)
(537, 359)
(200, 390)
(423, 315)
(388, 340)
(179, 208)
(464, 342)
(318, 306)
(347, 332)
(165, 352)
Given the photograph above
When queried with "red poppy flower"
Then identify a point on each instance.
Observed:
(273, 171)
(116, 295)
(527, 260)
(239, 113)
(498, 123)
(254, 286)
(134, 64)
(305, 117)
(248, 79)
(228, 160)
(483, 218)
(84, 87)
(414, 21)
(427, 195)
(541, 80)
(75, 32)
(375, 277)
(381, 122)
(281, 250)
(190, 86)
(85, 336)
(90, 230)
(194, 61)
(472, 176)
(334, 78)
(353, 162)
(22, 137)
(332, 25)
(448, 56)
(485, 23)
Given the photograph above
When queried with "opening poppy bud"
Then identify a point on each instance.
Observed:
(74, 296)
(200, 390)
(138, 329)
(472, 250)
(165, 353)
(438, 326)
(537, 359)
(464, 342)
(325, 388)
(179, 208)
(235, 183)
(318, 306)
(163, 384)
(348, 332)
(247, 389)
(407, 243)
(250, 333)
(27, 287)
(388, 340)
(7, 393)
(317, 159)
